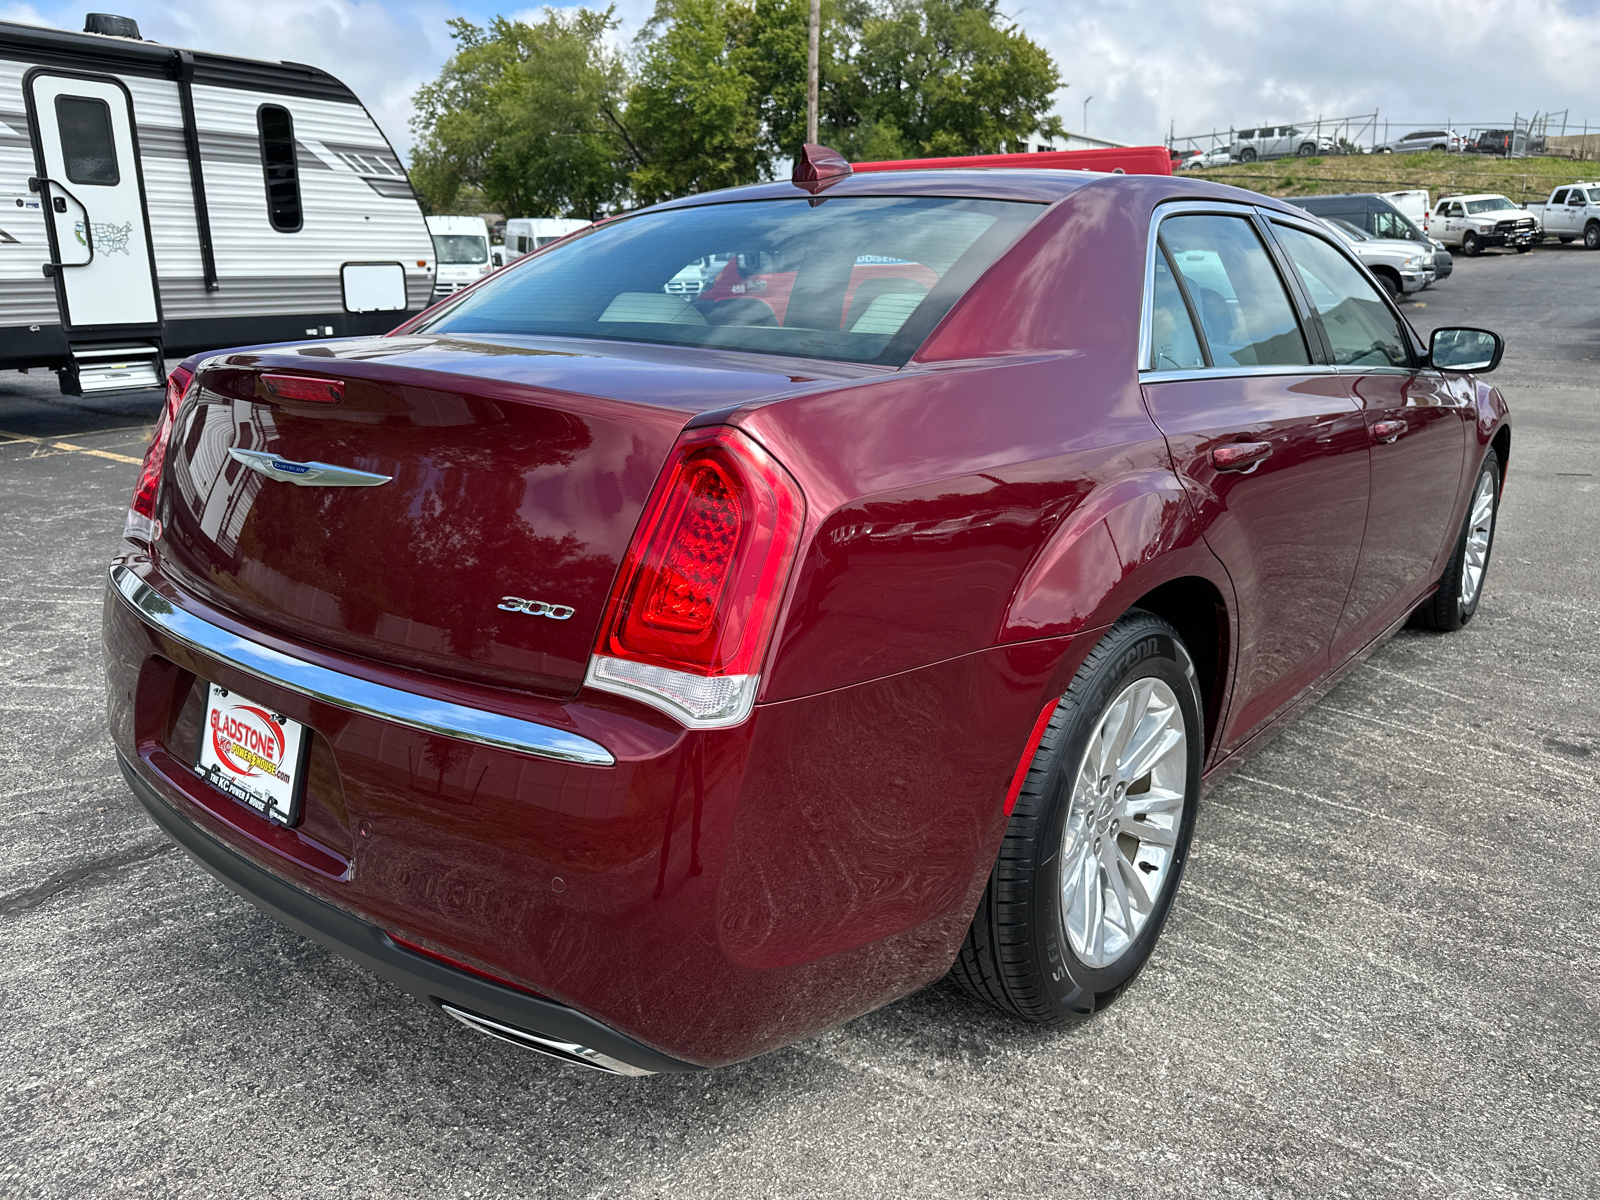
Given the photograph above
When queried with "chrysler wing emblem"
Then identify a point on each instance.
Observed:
(306, 474)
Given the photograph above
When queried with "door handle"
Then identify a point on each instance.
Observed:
(1240, 456)
(42, 185)
(1388, 432)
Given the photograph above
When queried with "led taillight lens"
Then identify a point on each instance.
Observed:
(697, 596)
(141, 523)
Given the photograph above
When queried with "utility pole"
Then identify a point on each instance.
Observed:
(1086, 116)
(811, 71)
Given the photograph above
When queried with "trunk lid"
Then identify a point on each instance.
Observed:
(516, 474)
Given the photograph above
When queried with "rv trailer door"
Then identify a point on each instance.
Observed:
(93, 191)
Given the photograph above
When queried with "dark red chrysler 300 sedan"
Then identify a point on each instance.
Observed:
(733, 618)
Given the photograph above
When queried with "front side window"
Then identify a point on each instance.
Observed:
(87, 146)
(853, 279)
(1560, 197)
(279, 166)
(1244, 310)
(1174, 346)
(458, 248)
(1361, 328)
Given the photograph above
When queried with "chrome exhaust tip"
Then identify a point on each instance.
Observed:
(568, 1052)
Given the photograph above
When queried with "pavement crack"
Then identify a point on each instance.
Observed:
(62, 880)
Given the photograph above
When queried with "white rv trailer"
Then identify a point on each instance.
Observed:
(157, 201)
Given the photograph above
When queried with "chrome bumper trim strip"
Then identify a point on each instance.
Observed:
(346, 691)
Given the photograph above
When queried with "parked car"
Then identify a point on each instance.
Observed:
(1277, 141)
(1378, 217)
(653, 681)
(461, 246)
(1421, 140)
(1572, 212)
(1480, 221)
(1217, 157)
(1400, 266)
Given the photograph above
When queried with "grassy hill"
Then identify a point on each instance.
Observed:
(1522, 179)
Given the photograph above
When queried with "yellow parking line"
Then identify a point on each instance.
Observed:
(22, 437)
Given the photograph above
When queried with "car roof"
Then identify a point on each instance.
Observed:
(1039, 186)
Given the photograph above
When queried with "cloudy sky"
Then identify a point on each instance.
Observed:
(1148, 65)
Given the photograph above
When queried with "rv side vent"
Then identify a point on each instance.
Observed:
(111, 25)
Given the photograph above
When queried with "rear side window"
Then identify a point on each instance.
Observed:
(1244, 311)
(854, 279)
(280, 168)
(87, 145)
(1173, 344)
(1360, 326)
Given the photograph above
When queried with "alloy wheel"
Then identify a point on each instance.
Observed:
(1480, 532)
(1122, 822)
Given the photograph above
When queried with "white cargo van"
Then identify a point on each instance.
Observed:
(461, 246)
(529, 233)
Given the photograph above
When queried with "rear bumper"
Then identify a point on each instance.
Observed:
(570, 1035)
(700, 898)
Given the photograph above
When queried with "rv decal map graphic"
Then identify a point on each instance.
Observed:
(112, 239)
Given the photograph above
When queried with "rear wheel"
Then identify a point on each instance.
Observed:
(1591, 236)
(1247, 155)
(1469, 245)
(1454, 604)
(1099, 837)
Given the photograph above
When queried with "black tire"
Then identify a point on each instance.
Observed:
(1307, 149)
(1247, 155)
(1445, 610)
(1591, 236)
(1386, 150)
(1016, 955)
(1566, 241)
(1469, 244)
(1525, 249)
(1436, 149)
(1390, 284)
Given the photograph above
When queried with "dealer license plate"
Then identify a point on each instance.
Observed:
(255, 755)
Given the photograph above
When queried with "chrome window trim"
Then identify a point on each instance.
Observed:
(1175, 376)
(1224, 208)
(376, 700)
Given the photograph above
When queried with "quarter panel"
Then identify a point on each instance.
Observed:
(931, 494)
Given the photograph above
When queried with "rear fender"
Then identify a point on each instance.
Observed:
(1123, 541)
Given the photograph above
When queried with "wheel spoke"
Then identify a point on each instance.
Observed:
(1133, 709)
(1153, 833)
(1148, 754)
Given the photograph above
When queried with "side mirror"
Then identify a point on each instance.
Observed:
(1465, 350)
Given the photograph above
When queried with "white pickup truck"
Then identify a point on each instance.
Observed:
(1572, 212)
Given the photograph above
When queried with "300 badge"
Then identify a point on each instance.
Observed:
(252, 753)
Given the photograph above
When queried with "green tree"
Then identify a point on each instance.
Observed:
(951, 77)
(526, 115)
(694, 111)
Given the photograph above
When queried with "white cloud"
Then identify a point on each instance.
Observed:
(1472, 62)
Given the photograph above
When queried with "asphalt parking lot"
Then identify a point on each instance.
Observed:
(1380, 978)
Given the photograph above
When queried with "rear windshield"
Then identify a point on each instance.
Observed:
(852, 279)
(460, 248)
(1493, 204)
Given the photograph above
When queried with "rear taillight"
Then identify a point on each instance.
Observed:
(141, 524)
(312, 388)
(690, 618)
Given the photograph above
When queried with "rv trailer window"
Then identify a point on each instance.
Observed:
(87, 147)
(279, 166)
